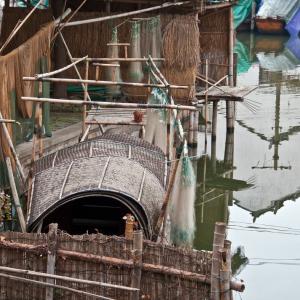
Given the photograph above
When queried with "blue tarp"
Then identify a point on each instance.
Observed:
(293, 26)
(293, 45)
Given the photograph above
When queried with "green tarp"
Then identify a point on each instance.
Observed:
(241, 11)
(243, 57)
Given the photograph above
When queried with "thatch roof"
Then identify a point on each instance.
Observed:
(125, 167)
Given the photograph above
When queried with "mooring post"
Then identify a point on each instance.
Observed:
(225, 271)
(218, 244)
(137, 254)
(51, 259)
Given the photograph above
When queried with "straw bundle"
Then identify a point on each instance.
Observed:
(181, 43)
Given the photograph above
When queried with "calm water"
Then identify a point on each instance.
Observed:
(254, 181)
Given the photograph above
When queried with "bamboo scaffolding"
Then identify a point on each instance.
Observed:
(56, 286)
(213, 85)
(103, 82)
(127, 14)
(111, 104)
(66, 278)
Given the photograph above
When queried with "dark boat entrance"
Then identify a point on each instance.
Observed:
(93, 213)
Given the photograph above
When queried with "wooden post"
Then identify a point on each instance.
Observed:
(218, 244)
(39, 122)
(52, 245)
(15, 195)
(137, 253)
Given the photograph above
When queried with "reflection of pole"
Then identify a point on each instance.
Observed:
(214, 136)
(228, 161)
(277, 121)
(253, 15)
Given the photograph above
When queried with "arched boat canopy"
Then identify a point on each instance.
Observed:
(113, 168)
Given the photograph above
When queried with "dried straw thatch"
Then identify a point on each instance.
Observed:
(181, 43)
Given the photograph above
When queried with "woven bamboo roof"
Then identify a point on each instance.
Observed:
(112, 164)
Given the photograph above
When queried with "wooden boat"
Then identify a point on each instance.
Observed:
(270, 25)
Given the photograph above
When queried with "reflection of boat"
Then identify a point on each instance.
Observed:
(270, 25)
(265, 43)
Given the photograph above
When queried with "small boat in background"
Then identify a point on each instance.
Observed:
(270, 25)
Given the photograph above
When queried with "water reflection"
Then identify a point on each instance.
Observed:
(253, 176)
(215, 191)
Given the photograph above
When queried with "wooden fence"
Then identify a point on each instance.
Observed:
(116, 268)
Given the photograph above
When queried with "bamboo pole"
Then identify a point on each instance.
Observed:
(137, 262)
(111, 104)
(12, 148)
(66, 278)
(127, 14)
(230, 106)
(218, 244)
(15, 195)
(165, 202)
(39, 76)
(85, 97)
(56, 286)
(103, 82)
(114, 123)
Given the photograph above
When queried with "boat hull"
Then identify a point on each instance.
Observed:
(270, 26)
